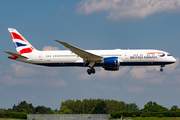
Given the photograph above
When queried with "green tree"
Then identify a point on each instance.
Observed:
(77, 107)
(40, 109)
(47, 110)
(100, 108)
(114, 106)
(14, 107)
(92, 110)
(56, 110)
(1, 113)
(133, 107)
(69, 104)
(174, 108)
(24, 107)
(86, 106)
(65, 110)
(154, 107)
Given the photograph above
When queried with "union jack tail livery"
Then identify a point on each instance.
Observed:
(21, 44)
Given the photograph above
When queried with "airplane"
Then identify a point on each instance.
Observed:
(108, 59)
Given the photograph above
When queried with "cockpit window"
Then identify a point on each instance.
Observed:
(169, 55)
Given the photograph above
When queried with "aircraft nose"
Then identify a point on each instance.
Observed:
(173, 60)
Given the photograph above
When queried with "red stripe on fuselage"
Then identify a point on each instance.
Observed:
(155, 53)
(16, 36)
(26, 50)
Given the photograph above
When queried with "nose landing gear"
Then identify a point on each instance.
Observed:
(161, 69)
(91, 70)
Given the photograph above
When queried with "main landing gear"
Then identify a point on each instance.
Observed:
(91, 66)
(91, 70)
(161, 69)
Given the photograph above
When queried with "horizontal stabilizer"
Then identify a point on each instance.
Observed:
(19, 56)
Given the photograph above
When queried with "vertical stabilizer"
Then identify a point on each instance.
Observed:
(21, 44)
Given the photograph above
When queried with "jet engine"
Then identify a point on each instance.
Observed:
(111, 63)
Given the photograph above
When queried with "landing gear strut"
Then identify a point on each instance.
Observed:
(91, 70)
(161, 69)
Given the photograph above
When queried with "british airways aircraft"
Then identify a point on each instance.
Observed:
(108, 59)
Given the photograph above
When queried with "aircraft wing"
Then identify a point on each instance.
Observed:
(87, 56)
(17, 55)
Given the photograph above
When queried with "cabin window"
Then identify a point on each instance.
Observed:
(169, 55)
(48, 55)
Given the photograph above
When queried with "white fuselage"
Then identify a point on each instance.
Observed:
(108, 59)
(126, 57)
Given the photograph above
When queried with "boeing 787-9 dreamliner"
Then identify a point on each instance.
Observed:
(108, 59)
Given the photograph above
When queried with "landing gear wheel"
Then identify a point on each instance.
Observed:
(89, 71)
(161, 69)
(92, 70)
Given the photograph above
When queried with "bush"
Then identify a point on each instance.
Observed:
(160, 115)
(126, 114)
(133, 115)
(18, 115)
(7, 114)
(146, 115)
(172, 114)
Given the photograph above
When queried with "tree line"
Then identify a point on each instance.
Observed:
(104, 106)
(95, 106)
(91, 106)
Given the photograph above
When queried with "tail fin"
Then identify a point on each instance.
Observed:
(21, 44)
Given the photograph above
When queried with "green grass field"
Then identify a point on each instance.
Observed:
(10, 119)
(153, 118)
(136, 118)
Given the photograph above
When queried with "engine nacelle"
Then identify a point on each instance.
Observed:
(111, 63)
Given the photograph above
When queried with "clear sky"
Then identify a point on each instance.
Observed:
(90, 24)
